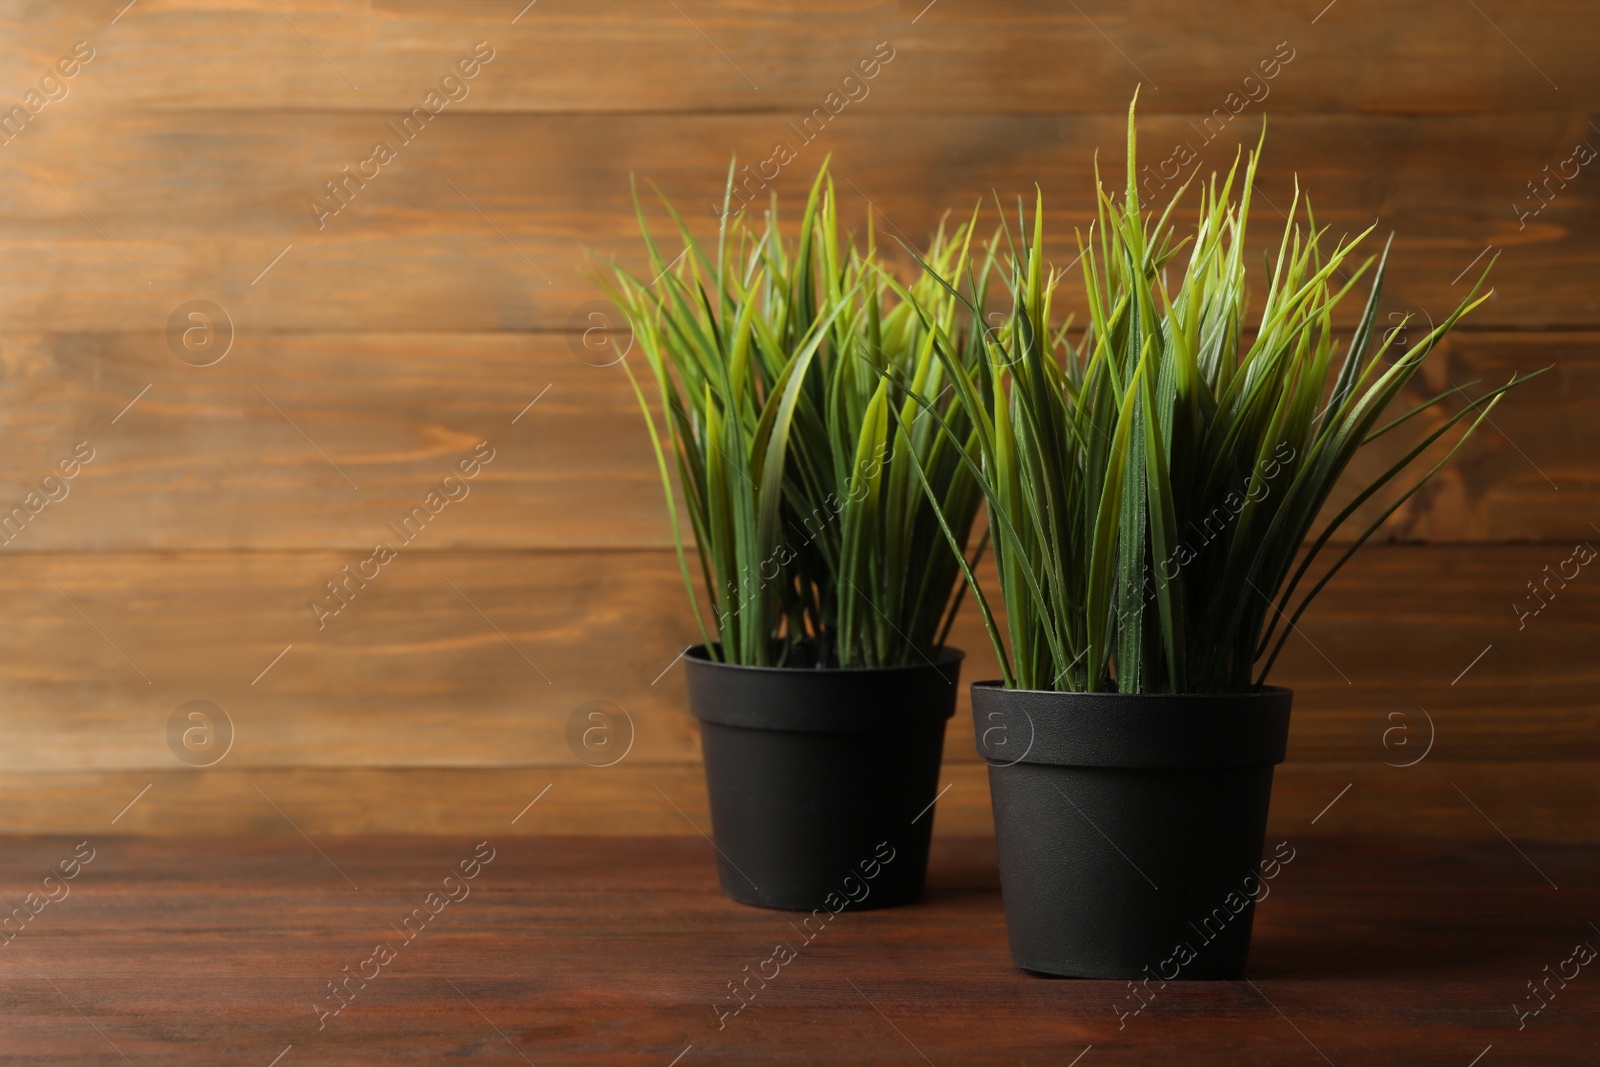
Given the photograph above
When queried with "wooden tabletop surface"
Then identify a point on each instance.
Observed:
(568, 950)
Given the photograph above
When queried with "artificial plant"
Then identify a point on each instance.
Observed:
(1151, 487)
(802, 416)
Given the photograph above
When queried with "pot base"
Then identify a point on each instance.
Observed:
(822, 782)
(1125, 874)
(804, 820)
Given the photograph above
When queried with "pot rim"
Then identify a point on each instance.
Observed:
(1256, 692)
(824, 700)
(1130, 731)
(948, 655)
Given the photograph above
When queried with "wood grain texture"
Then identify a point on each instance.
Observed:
(536, 198)
(205, 460)
(481, 659)
(1529, 474)
(248, 454)
(375, 349)
(1546, 798)
(615, 951)
(1006, 56)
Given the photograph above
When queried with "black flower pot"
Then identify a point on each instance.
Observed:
(1130, 826)
(816, 776)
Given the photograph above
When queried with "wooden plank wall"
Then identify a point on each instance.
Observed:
(375, 348)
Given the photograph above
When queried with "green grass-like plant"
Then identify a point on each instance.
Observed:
(811, 428)
(1150, 490)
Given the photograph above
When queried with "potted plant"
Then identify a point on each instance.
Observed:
(1149, 491)
(789, 385)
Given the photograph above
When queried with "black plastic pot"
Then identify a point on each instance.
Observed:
(1130, 826)
(816, 776)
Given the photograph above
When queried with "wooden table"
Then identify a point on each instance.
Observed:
(565, 950)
